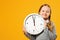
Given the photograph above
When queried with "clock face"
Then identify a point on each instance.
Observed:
(34, 23)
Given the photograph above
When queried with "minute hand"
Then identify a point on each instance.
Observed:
(34, 20)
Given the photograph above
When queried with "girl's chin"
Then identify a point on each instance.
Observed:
(45, 18)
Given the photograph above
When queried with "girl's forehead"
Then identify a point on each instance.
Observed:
(45, 8)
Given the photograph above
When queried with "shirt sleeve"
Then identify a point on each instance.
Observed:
(52, 35)
(29, 36)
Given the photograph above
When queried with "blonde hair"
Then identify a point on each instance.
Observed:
(49, 24)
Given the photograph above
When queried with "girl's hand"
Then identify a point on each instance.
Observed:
(24, 30)
(48, 25)
(45, 24)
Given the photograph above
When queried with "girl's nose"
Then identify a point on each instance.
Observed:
(44, 12)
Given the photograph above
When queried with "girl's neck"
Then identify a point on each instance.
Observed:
(46, 20)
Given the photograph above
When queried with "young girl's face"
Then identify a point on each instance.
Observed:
(45, 12)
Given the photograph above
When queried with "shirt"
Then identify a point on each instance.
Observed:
(46, 35)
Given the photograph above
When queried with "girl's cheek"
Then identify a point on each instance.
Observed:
(48, 14)
(42, 13)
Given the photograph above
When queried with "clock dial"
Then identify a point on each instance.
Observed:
(34, 24)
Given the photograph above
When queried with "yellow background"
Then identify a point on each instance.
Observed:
(13, 12)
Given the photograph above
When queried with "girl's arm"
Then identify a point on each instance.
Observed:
(52, 34)
(27, 34)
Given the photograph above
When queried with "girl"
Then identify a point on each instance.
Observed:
(49, 32)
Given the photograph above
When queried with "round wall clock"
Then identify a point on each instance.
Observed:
(34, 23)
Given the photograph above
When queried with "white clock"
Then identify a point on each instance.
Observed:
(34, 23)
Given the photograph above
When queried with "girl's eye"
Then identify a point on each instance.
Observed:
(42, 10)
(47, 11)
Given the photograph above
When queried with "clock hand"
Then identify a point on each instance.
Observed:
(33, 20)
